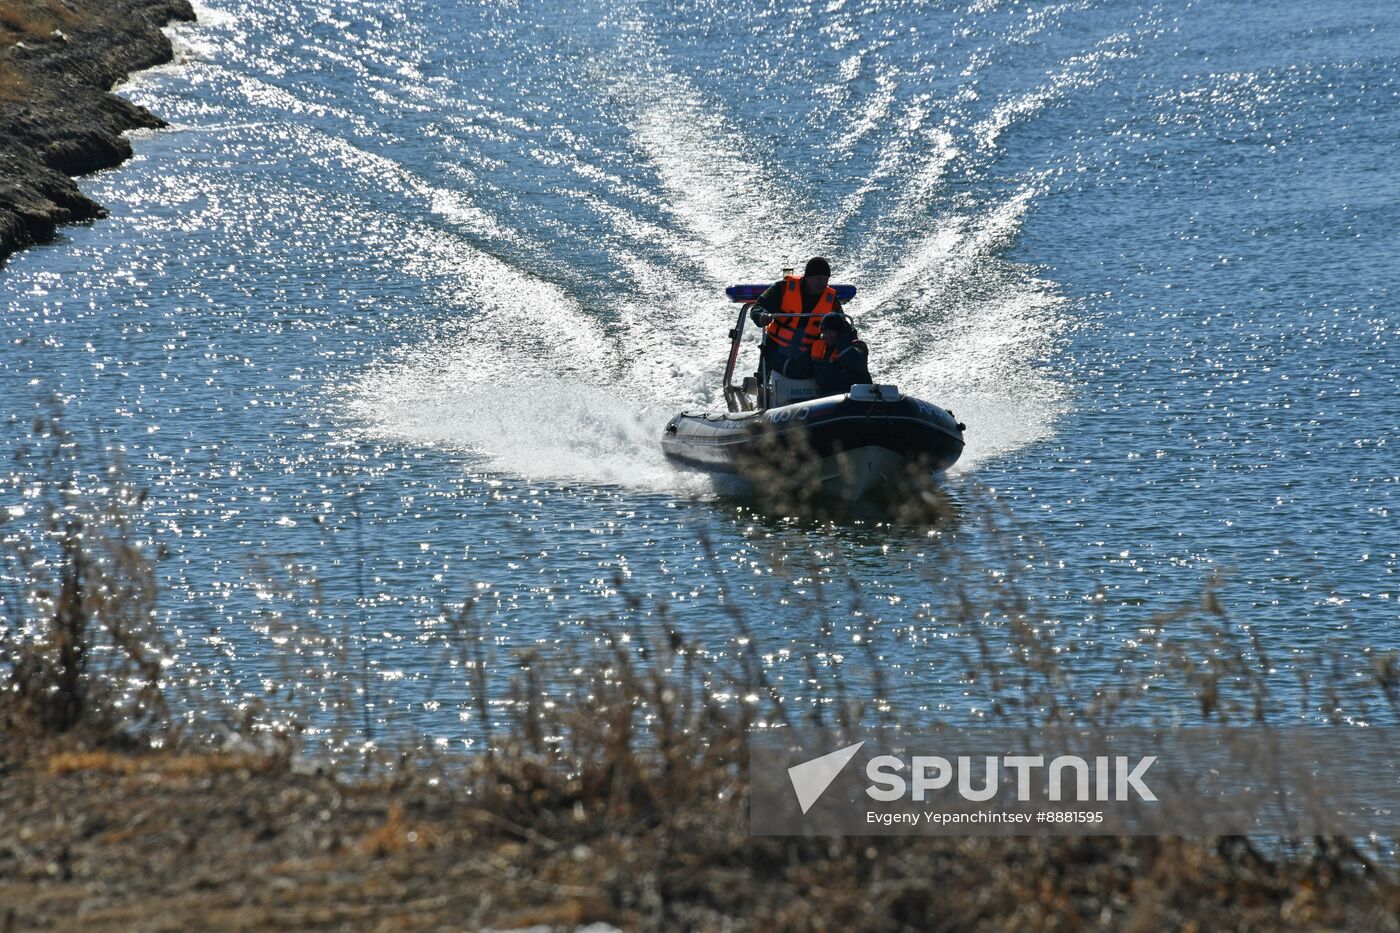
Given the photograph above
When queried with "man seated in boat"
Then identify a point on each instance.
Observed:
(790, 313)
(840, 359)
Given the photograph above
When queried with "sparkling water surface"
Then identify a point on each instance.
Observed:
(393, 313)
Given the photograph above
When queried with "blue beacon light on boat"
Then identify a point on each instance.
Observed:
(844, 293)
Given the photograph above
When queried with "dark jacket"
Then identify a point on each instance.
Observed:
(841, 366)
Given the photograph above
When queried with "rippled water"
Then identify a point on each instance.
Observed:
(401, 300)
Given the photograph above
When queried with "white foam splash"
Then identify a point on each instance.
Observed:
(720, 195)
(540, 428)
(947, 315)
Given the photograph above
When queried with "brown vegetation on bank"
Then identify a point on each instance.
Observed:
(150, 841)
(616, 794)
(34, 19)
(58, 58)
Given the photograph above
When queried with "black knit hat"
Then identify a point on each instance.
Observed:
(817, 265)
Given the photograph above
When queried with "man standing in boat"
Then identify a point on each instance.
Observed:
(787, 337)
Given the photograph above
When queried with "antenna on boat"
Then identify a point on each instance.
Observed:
(733, 395)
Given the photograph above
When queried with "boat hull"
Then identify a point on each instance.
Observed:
(845, 444)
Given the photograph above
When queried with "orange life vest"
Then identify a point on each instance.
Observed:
(796, 335)
(823, 352)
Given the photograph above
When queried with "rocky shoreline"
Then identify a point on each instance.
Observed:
(58, 60)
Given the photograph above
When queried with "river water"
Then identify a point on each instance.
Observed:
(393, 313)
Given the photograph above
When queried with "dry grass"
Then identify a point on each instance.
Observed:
(164, 765)
(14, 84)
(34, 19)
(397, 835)
(628, 808)
(29, 20)
(79, 645)
(615, 788)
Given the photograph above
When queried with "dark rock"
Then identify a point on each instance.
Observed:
(59, 119)
(89, 154)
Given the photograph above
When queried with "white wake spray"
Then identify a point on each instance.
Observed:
(543, 387)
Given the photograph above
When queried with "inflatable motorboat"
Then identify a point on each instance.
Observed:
(779, 430)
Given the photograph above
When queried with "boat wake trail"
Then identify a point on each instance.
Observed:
(478, 386)
(889, 161)
(544, 430)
